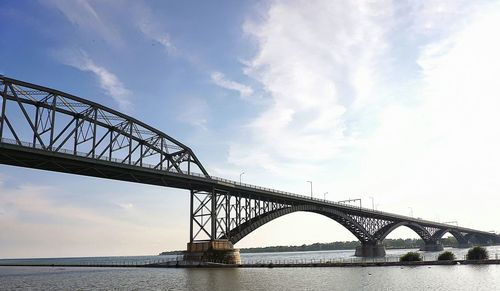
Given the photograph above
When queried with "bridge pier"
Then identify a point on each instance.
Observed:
(464, 245)
(432, 246)
(216, 251)
(376, 249)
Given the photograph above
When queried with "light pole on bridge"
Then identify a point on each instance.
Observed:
(241, 175)
(310, 182)
(373, 203)
(324, 195)
(411, 211)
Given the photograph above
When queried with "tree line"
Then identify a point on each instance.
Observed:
(409, 243)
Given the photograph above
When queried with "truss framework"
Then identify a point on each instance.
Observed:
(50, 126)
(42, 118)
(223, 214)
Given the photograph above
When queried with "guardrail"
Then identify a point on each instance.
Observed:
(165, 169)
(231, 182)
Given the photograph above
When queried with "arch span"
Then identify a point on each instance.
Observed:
(382, 233)
(239, 232)
(461, 239)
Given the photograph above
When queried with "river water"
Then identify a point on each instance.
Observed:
(457, 277)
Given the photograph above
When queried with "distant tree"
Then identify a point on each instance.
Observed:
(477, 253)
(411, 257)
(446, 256)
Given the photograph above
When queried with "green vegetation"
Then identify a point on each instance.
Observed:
(446, 256)
(477, 253)
(349, 245)
(411, 257)
(339, 245)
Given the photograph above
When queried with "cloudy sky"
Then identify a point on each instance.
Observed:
(395, 100)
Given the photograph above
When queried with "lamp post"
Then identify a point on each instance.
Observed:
(310, 182)
(411, 211)
(324, 195)
(241, 175)
(373, 203)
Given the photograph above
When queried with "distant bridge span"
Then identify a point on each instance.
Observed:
(47, 129)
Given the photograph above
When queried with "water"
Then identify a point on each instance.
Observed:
(248, 258)
(463, 277)
(348, 256)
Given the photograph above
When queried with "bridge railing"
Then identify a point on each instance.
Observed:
(102, 158)
(223, 180)
(145, 165)
(235, 183)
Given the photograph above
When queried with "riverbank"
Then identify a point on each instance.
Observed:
(390, 244)
(320, 264)
(330, 264)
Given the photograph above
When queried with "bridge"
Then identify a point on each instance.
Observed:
(43, 128)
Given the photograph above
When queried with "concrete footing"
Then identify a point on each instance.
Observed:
(370, 250)
(216, 251)
(432, 247)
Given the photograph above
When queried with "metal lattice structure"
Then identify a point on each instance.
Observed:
(48, 120)
(231, 214)
(48, 129)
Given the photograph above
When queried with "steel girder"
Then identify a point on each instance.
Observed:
(214, 214)
(41, 118)
(48, 129)
(224, 214)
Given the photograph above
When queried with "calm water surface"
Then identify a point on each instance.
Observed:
(369, 278)
(464, 277)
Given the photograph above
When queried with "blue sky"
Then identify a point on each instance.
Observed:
(395, 100)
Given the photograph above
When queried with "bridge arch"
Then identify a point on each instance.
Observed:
(461, 239)
(239, 232)
(382, 233)
(478, 238)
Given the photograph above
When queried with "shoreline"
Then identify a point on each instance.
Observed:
(181, 264)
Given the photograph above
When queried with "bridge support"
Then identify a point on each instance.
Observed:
(216, 251)
(432, 246)
(369, 249)
(464, 245)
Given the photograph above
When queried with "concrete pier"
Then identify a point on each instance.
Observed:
(221, 251)
(432, 247)
(370, 250)
(464, 245)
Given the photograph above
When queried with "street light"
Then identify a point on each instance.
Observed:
(324, 195)
(411, 211)
(373, 203)
(240, 176)
(310, 182)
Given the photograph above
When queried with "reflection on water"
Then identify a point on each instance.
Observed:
(348, 255)
(464, 277)
(247, 258)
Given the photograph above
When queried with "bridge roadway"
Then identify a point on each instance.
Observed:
(94, 140)
(27, 156)
(32, 157)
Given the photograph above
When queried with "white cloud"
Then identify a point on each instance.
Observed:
(317, 62)
(126, 206)
(193, 111)
(220, 80)
(108, 81)
(344, 112)
(83, 15)
(34, 215)
(154, 32)
(443, 149)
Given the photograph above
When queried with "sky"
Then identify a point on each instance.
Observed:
(393, 102)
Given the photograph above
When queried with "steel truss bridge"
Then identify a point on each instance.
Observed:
(47, 129)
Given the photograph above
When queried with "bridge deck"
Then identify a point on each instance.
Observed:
(27, 155)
